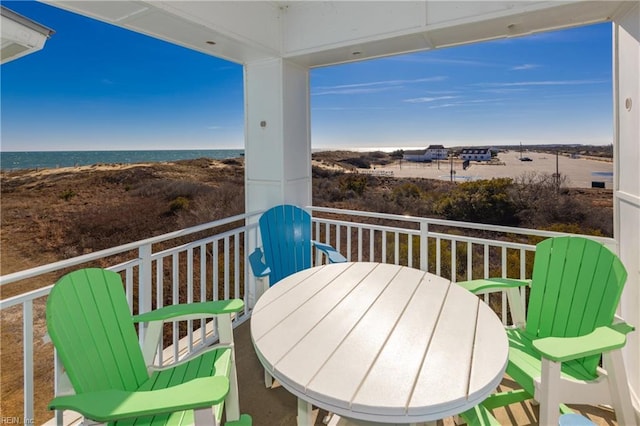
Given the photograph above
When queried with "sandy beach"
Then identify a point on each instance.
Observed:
(578, 171)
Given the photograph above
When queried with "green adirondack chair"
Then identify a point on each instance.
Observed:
(570, 326)
(93, 332)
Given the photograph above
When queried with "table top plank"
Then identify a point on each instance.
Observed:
(277, 303)
(403, 353)
(348, 366)
(288, 319)
(304, 359)
(486, 362)
(438, 385)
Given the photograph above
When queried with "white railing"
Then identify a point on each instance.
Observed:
(432, 245)
(207, 262)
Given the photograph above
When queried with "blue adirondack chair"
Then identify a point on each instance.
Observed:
(111, 376)
(570, 327)
(286, 248)
(286, 244)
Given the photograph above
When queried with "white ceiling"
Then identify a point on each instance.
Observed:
(318, 33)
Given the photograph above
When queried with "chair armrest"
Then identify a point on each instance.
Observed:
(492, 284)
(561, 349)
(333, 255)
(109, 405)
(191, 310)
(258, 267)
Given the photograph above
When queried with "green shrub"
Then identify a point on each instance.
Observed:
(482, 201)
(353, 182)
(68, 194)
(406, 190)
(180, 203)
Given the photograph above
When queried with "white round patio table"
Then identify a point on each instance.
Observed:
(379, 342)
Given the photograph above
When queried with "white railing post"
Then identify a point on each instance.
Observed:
(27, 341)
(144, 284)
(424, 245)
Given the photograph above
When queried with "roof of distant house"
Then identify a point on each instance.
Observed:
(475, 150)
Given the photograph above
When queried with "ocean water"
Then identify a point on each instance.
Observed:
(55, 159)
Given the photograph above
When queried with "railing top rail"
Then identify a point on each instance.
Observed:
(25, 297)
(56, 266)
(452, 223)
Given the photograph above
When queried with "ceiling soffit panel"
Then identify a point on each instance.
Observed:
(520, 23)
(255, 23)
(20, 35)
(360, 51)
(179, 31)
(316, 26)
(440, 24)
(187, 24)
(107, 11)
(440, 12)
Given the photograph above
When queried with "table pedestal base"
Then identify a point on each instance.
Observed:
(341, 421)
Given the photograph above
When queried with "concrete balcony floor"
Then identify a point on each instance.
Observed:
(277, 407)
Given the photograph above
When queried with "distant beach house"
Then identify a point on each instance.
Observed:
(433, 152)
(476, 154)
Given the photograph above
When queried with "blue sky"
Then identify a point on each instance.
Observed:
(95, 87)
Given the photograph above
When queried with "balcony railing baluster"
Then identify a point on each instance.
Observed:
(190, 298)
(27, 341)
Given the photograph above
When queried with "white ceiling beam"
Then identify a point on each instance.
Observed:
(319, 33)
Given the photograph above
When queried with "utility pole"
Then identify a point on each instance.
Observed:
(557, 173)
(521, 151)
(452, 172)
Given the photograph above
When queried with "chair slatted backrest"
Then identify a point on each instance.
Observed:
(576, 286)
(91, 327)
(286, 240)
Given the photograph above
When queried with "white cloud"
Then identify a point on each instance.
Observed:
(425, 99)
(524, 67)
(543, 83)
(352, 91)
(504, 90)
(426, 59)
(467, 103)
(352, 109)
(372, 87)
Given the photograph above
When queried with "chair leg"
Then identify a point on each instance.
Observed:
(261, 285)
(204, 417)
(550, 392)
(516, 307)
(618, 387)
(231, 403)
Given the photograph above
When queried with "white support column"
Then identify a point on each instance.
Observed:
(277, 134)
(277, 139)
(626, 62)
